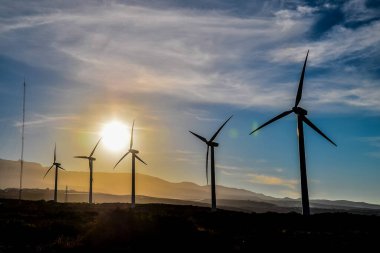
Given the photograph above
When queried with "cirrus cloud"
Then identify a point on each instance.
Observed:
(272, 180)
(190, 53)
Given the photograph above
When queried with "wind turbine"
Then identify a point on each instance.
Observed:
(301, 117)
(211, 144)
(57, 166)
(134, 153)
(90, 159)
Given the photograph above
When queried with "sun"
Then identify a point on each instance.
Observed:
(115, 135)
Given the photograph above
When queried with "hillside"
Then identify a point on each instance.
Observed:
(151, 189)
(39, 226)
(120, 182)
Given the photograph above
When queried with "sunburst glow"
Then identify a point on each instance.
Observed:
(115, 135)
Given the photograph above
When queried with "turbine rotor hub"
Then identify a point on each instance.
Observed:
(213, 144)
(134, 151)
(57, 164)
(299, 111)
(92, 158)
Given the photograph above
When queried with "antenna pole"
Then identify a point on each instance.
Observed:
(22, 143)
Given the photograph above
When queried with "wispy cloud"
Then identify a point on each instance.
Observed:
(201, 115)
(357, 10)
(361, 97)
(183, 159)
(227, 173)
(374, 154)
(184, 152)
(43, 120)
(272, 180)
(190, 54)
(339, 44)
(372, 140)
(279, 170)
(228, 167)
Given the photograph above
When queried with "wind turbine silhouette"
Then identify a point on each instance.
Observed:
(90, 159)
(301, 117)
(57, 166)
(211, 144)
(134, 153)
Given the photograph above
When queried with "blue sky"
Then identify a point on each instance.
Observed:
(176, 66)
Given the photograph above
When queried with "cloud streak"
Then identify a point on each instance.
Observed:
(373, 141)
(42, 120)
(190, 54)
(272, 180)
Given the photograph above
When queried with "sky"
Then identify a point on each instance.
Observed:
(176, 66)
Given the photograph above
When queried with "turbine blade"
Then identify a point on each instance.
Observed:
(207, 164)
(131, 144)
(200, 137)
(95, 147)
(272, 120)
(307, 121)
(48, 170)
(220, 128)
(61, 167)
(121, 159)
(83, 157)
(55, 152)
(300, 85)
(140, 159)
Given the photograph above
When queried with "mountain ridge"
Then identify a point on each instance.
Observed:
(157, 188)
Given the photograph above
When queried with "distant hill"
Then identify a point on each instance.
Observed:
(153, 190)
(116, 183)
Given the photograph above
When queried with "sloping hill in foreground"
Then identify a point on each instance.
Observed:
(39, 226)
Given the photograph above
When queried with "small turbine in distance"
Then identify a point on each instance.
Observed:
(57, 166)
(134, 153)
(90, 159)
(211, 144)
(301, 117)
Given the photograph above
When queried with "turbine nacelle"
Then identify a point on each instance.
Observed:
(134, 151)
(212, 144)
(57, 166)
(299, 111)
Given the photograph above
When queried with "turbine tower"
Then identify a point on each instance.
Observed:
(301, 118)
(66, 197)
(57, 166)
(211, 144)
(90, 159)
(22, 141)
(134, 153)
